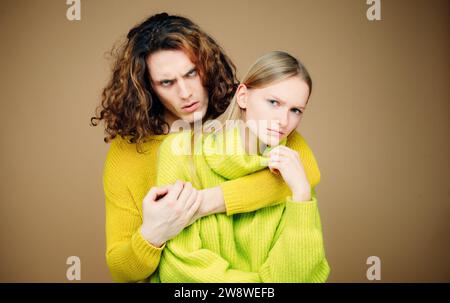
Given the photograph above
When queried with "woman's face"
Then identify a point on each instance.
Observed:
(274, 111)
(176, 82)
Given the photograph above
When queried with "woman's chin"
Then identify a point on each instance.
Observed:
(270, 141)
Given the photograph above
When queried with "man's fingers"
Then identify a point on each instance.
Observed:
(185, 193)
(191, 200)
(161, 191)
(156, 192)
(195, 206)
(176, 190)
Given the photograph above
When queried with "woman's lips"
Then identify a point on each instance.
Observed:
(191, 107)
(274, 132)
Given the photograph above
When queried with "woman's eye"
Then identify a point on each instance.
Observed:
(297, 111)
(192, 73)
(273, 102)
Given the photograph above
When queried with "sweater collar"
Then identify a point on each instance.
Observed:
(230, 160)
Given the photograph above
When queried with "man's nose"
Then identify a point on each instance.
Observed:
(184, 90)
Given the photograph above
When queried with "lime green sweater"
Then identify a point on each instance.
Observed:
(281, 243)
(129, 175)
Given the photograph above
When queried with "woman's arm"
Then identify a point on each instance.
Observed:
(298, 253)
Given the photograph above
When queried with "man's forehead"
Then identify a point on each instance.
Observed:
(169, 64)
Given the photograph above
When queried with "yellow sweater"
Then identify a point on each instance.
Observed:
(129, 175)
(281, 243)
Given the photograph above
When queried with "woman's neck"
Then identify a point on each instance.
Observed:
(250, 141)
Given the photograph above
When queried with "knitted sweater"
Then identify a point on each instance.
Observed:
(129, 175)
(281, 243)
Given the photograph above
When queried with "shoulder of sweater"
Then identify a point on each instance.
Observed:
(175, 144)
(298, 143)
(124, 158)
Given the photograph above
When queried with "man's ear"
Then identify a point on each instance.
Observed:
(242, 96)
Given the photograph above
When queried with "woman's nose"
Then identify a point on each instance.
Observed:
(282, 119)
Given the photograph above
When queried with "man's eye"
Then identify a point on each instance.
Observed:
(192, 73)
(166, 83)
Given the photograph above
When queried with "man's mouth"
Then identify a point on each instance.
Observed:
(191, 107)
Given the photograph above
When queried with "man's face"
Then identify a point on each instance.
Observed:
(176, 82)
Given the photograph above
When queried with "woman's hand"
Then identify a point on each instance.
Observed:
(286, 162)
(168, 210)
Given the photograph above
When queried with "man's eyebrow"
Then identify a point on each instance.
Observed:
(162, 79)
(281, 101)
(173, 79)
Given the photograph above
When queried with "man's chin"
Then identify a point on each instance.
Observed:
(195, 117)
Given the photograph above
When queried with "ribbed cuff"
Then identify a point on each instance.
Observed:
(301, 215)
(233, 199)
(147, 254)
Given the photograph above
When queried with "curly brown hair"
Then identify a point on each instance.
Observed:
(129, 106)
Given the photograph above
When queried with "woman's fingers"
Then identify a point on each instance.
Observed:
(283, 152)
(275, 166)
(281, 149)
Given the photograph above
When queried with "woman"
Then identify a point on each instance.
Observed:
(282, 243)
(156, 76)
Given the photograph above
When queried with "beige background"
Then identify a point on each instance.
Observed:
(378, 123)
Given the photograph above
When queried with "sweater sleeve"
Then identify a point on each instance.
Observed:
(129, 256)
(297, 253)
(264, 188)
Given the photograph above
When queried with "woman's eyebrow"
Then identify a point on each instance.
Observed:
(281, 101)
